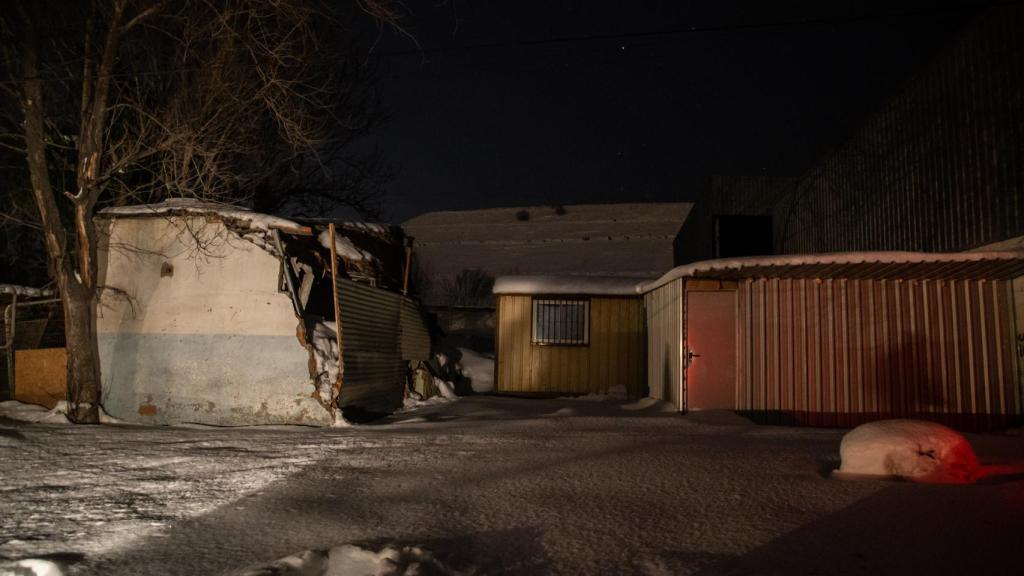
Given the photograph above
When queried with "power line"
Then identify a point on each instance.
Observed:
(778, 24)
(797, 23)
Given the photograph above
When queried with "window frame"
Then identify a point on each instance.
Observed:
(540, 300)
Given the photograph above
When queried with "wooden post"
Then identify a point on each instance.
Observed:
(337, 314)
(408, 265)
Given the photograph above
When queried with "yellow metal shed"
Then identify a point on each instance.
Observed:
(569, 335)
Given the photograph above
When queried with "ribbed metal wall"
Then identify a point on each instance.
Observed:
(378, 335)
(664, 343)
(841, 352)
(613, 357)
(415, 337)
(939, 168)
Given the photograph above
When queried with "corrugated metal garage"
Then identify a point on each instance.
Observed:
(839, 339)
(569, 335)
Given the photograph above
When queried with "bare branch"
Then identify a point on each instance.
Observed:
(144, 15)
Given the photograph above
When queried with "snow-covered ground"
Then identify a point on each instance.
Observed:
(486, 485)
(479, 369)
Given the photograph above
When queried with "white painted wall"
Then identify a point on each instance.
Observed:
(190, 334)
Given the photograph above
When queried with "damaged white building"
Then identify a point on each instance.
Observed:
(222, 316)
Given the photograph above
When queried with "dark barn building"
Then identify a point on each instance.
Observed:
(939, 168)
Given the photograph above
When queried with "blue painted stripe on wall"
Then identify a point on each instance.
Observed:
(221, 379)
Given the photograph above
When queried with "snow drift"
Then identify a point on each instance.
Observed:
(350, 560)
(31, 567)
(23, 412)
(910, 449)
(478, 369)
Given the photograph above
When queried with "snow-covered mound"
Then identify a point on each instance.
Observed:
(479, 369)
(349, 560)
(445, 389)
(23, 412)
(31, 567)
(911, 449)
(617, 392)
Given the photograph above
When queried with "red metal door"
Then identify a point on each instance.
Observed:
(711, 349)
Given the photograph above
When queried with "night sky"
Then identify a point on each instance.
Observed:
(521, 103)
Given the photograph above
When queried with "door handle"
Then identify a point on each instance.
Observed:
(690, 355)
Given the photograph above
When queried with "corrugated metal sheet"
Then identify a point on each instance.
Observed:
(415, 337)
(613, 357)
(664, 343)
(842, 352)
(938, 169)
(379, 332)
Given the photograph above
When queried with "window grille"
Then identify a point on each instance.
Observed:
(561, 322)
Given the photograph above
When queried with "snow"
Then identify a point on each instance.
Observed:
(479, 369)
(493, 485)
(326, 354)
(617, 392)
(172, 206)
(909, 449)
(353, 560)
(415, 402)
(26, 291)
(583, 285)
(709, 267)
(23, 412)
(344, 247)
(445, 389)
(625, 240)
(31, 567)
(339, 421)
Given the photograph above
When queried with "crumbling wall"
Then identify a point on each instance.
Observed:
(195, 325)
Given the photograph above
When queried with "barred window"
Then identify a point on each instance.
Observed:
(561, 321)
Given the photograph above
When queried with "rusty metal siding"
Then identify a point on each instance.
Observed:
(663, 308)
(380, 330)
(840, 352)
(613, 357)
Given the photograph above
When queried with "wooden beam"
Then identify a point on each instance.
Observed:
(297, 230)
(408, 264)
(337, 317)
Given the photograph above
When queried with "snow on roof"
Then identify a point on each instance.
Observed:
(583, 285)
(861, 265)
(344, 247)
(371, 227)
(630, 239)
(176, 206)
(27, 291)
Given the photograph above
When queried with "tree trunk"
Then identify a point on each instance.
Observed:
(78, 291)
(83, 348)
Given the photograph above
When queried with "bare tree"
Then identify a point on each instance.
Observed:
(114, 102)
(470, 287)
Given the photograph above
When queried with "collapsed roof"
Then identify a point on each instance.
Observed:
(368, 250)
